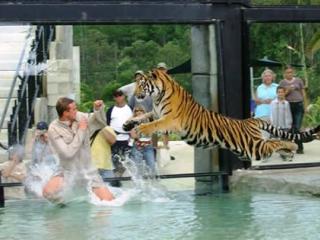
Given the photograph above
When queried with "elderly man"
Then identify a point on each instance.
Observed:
(69, 139)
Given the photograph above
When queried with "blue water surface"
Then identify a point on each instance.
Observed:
(185, 216)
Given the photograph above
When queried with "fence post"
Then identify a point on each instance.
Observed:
(1, 194)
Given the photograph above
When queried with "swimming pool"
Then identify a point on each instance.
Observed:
(181, 216)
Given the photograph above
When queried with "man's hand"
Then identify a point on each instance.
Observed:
(97, 104)
(83, 124)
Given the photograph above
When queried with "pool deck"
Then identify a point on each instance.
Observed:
(297, 180)
(301, 176)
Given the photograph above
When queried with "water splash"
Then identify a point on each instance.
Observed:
(145, 181)
(39, 174)
(145, 185)
(122, 196)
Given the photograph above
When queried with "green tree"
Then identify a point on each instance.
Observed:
(111, 54)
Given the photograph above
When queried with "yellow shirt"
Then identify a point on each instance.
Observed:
(101, 151)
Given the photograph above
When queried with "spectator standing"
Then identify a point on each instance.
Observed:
(116, 116)
(266, 92)
(280, 111)
(41, 152)
(101, 151)
(143, 150)
(133, 101)
(295, 93)
(162, 66)
(44, 163)
(128, 90)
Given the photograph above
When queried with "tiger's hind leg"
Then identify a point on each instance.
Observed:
(284, 148)
(287, 152)
(286, 155)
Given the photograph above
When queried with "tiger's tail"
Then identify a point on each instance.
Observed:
(305, 136)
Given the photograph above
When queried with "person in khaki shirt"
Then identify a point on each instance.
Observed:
(69, 140)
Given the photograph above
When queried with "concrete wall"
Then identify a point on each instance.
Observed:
(63, 73)
(204, 85)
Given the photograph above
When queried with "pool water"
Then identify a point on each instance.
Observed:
(181, 216)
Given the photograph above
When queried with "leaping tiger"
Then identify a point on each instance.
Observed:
(178, 111)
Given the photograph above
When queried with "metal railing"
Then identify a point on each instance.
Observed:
(30, 87)
(15, 78)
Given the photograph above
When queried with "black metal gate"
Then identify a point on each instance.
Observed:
(232, 17)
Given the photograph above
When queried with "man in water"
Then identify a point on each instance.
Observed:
(69, 139)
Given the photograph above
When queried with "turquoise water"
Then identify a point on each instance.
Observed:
(182, 216)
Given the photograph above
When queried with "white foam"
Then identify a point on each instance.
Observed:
(121, 197)
(144, 189)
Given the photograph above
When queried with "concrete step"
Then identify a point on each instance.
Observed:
(11, 55)
(4, 136)
(6, 74)
(3, 102)
(4, 92)
(10, 65)
(13, 37)
(16, 46)
(14, 28)
(7, 82)
(2, 107)
(5, 123)
(4, 139)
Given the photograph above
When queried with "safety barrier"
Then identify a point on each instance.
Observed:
(223, 180)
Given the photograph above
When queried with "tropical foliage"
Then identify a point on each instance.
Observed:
(296, 44)
(111, 54)
(313, 116)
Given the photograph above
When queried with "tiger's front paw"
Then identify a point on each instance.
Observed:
(129, 125)
(144, 129)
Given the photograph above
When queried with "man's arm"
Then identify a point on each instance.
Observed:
(109, 135)
(98, 118)
(63, 149)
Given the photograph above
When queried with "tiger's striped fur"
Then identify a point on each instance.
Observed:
(177, 111)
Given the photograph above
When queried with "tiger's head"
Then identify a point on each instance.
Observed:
(150, 84)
